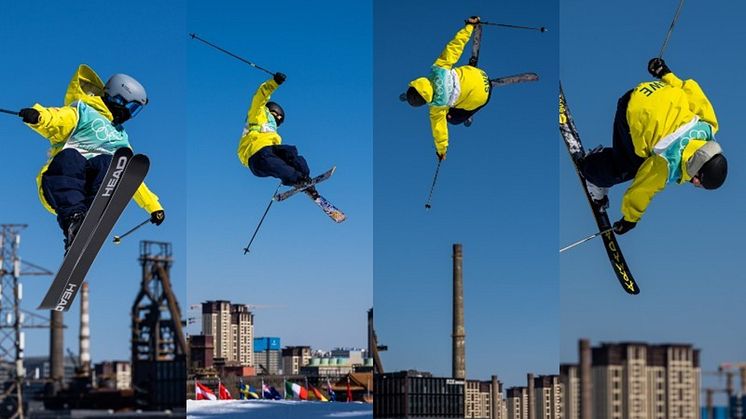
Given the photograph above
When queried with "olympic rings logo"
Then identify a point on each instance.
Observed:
(105, 132)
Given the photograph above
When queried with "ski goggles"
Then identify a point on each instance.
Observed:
(132, 107)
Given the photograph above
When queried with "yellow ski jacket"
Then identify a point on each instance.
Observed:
(261, 128)
(58, 124)
(446, 87)
(658, 113)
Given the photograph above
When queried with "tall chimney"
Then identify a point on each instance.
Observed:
(496, 398)
(586, 386)
(459, 332)
(85, 331)
(531, 397)
(56, 351)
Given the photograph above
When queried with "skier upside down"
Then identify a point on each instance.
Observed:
(84, 134)
(664, 132)
(453, 94)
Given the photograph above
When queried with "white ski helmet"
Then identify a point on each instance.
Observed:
(127, 92)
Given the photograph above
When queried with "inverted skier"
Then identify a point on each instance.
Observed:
(261, 149)
(84, 134)
(453, 94)
(664, 132)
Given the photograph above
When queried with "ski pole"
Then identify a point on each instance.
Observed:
(246, 249)
(435, 178)
(592, 236)
(670, 29)
(194, 36)
(118, 239)
(9, 112)
(505, 25)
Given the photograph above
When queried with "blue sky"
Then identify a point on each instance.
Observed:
(686, 252)
(315, 275)
(496, 195)
(42, 48)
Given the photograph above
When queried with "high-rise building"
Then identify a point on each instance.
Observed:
(294, 358)
(232, 329)
(516, 400)
(570, 380)
(635, 380)
(479, 395)
(267, 355)
(548, 397)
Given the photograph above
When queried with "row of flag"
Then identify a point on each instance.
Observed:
(246, 392)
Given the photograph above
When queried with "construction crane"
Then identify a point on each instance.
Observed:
(731, 367)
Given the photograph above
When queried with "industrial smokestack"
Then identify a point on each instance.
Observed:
(56, 351)
(586, 408)
(531, 397)
(85, 331)
(459, 332)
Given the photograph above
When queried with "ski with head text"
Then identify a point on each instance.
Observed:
(577, 153)
(126, 173)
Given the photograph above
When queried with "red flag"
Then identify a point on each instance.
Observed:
(320, 397)
(223, 392)
(203, 392)
(349, 390)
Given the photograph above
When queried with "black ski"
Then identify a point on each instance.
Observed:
(124, 176)
(575, 148)
(517, 78)
(475, 44)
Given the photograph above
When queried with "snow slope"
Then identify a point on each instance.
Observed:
(275, 409)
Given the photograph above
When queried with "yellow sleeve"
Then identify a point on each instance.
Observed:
(698, 102)
(439, 126)
(55, 124)
(651, 178)
(452, 52)
(261, 97)
(147, 200)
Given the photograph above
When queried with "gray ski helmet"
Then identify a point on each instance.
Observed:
(277, 109)
(127, 92)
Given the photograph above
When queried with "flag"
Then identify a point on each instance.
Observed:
(253, 394)
(349, 390)
(274, 394)
(243, 391)
(223, 392)
(318, 394)
(266, 393)
(330, 390)
(203, 392)
(296, 390)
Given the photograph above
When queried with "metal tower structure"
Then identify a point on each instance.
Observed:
(12, 319)
(159, 347)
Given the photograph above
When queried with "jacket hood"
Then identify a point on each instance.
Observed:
(87, 86)
(424, 88)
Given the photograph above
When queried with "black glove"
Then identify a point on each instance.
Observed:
(474, 20)
(658, 68)
(441, 157)
(157, 217)
(622, 226)
(279, 78)
(30, 115)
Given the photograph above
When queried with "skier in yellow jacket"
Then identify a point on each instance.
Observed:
(664, 132)
(261, 149)
(84, 134)
(453, 94)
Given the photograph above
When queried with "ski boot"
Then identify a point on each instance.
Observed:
(312, 192)
(72, 225)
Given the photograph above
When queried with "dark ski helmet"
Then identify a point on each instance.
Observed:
(124, 96)
(414, 97)
(713, 172)
(278, 112)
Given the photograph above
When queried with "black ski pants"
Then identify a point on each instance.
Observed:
(70, 183)
(457, 116)
(618, 163)
(280, 161)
